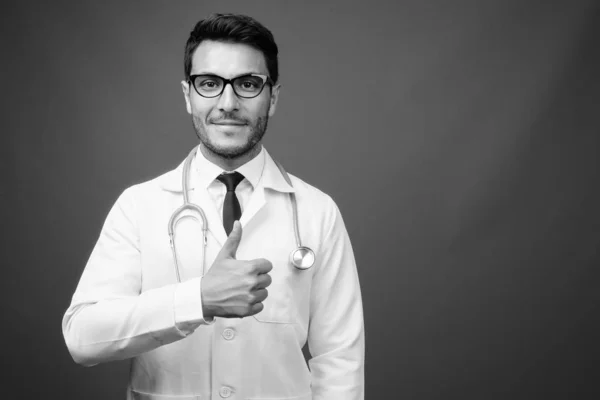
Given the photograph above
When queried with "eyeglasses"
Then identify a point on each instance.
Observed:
(245, 86)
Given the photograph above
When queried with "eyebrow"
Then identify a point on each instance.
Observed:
(233, 77)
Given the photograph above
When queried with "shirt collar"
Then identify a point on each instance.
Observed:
(207, 172)
(260, 170)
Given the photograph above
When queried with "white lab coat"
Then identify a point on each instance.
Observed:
(128, 303)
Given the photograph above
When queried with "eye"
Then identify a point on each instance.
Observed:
(209, 84)
(248, 84)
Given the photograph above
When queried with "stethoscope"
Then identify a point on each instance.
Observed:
(301, 257)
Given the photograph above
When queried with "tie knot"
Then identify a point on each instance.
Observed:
(231, 180)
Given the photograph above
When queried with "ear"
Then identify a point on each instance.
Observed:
(185, 86)
(274, 98)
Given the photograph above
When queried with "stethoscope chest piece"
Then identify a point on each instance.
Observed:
(302, 258)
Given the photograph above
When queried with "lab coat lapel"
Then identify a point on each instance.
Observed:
(271, 179)
(256, 202)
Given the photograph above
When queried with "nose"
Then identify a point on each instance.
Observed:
(228, 101)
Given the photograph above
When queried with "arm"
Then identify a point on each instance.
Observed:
(336, 330)
(109, 317)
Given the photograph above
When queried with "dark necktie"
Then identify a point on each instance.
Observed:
(231, 206)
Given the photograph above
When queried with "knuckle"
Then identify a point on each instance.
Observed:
(252, 281)
(254, 266)
(264, 263)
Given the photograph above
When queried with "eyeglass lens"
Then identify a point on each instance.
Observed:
(243, 86)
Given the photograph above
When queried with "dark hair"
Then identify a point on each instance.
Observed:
(233, 28)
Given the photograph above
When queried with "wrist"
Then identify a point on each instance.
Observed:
(208, 311)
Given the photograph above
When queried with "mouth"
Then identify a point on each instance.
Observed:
(229, 123)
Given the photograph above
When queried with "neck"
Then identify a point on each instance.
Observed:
(230, 164)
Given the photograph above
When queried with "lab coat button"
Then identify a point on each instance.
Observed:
(228, 334)
(225, 392)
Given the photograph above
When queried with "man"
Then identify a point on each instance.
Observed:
(228, 321)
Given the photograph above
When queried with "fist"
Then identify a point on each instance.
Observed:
(235, 288)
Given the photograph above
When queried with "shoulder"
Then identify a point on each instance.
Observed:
(149, 189)
(320, 216)
(275, 176)
(315, 200)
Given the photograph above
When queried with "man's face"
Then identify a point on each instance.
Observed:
(227, 125)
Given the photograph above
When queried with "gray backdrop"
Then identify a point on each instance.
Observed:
(460, 140)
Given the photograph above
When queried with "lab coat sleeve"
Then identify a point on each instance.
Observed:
(110, 318)
(336, 329)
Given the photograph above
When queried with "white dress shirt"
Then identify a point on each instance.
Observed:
(207, 172)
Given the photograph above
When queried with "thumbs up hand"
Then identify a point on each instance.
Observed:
(235, 288)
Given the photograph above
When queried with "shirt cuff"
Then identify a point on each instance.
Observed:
(187, 306)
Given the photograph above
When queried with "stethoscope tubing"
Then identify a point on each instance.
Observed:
(297, 256)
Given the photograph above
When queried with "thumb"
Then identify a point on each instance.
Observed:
(231, 244)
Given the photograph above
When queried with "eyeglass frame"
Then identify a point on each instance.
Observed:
(266, 81)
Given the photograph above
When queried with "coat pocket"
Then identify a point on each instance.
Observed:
(275, 311)
(279, 306)
(137, 395)
(307, 396)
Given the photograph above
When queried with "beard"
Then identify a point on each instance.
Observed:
(257, 131)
